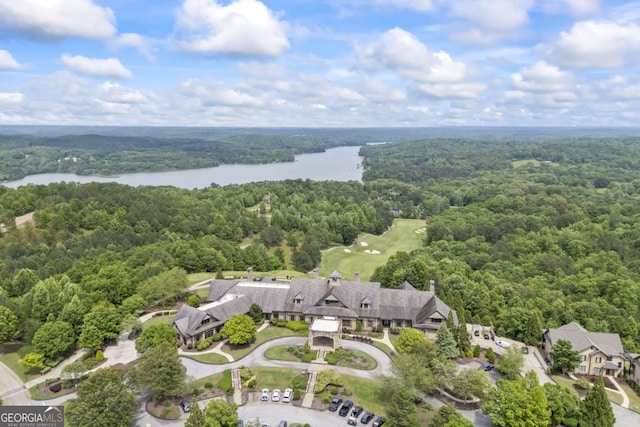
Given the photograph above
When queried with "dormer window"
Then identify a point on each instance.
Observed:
(331, 302)
(297, 300)
(365, 305)
(205, 321)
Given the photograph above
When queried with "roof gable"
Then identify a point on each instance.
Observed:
(581, 339)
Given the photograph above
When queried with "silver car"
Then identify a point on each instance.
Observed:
(287, 396)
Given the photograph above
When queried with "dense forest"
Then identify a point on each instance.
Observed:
(520, 233)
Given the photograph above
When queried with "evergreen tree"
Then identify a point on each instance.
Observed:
(533, 330)
(401, 410)
(196, 416)
(446, 343)
(255, 312)
(596, 409)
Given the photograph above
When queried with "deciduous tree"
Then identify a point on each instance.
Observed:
(469, 383)
(155, 335)
(33, 360)
(103, 399)
(564, 357)
(511, 362)
(54, 339)
(8, 325)
(219, 413)
(408, 339)
(240, 329)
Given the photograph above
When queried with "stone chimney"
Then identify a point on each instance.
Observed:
(432, 286)
(356, 276)
(250, 274)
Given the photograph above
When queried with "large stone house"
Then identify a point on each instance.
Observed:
(310, 299)
(634, 367)
(600, 353)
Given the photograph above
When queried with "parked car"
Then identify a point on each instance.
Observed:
(275, 396)
(378, 422)
(356, 411)
(503, 344)
(335, 403)
(282, 423)
(346, 406)
(287, 395)
(265, 394)
(185, 406)
(368, 416)
(240, 423)
(352, 421)
(486, 367)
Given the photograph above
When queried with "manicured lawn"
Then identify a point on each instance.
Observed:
(12, 361)
(367, 393)
(352, 359)
(280, 352)
(382, 346)
(36, 395)
(202, 381)
(568, 383)
(194, 278)
(158, 319)
(614, 397)
(210, 358)
(268, 334)
(349, 259)
(634, 399)
(272, 378)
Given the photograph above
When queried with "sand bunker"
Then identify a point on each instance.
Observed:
(347, 250)
(421, 230)
(371, 251)
(364, 244)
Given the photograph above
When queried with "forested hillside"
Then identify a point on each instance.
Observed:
(526, 232)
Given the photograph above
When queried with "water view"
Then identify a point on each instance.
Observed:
(336, 164)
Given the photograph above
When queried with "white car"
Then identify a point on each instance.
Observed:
(503, 344)
(287, 396)
(275, 396)
(265, 394)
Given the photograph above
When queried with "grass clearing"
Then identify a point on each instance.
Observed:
(401, 237)
(273, 378)
(382, 346)
(568, 383)
(272, 332)
(614, 397)
(12, 360)
(368, 393)
(210, 358)
(634, 399)
(158, 319)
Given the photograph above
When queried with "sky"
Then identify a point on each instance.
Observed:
(312, 63)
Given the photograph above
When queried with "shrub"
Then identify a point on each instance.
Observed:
(196, 392)
(99, 356)
(251, 384)
(583, 383)
(358, 326)
(347, 392)
(299, 382)
(491, 356)
(476, 351)
(208, 384)
(51, 381)
(334, 391)
(297, 394)
(394, 331)
(67, 384)
(326, 400)
(190, 346)
(297, 325)
(216, 337)
(309, 357)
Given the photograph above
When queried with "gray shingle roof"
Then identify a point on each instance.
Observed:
(582, 339)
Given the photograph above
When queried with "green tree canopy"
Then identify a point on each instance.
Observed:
(511, 362)
(401, 410)
(408, 339)
(255, 312)
(8, 325)
(103, 400)
(562, 403)
(155, 335)
(161, 371)
(100, 324)
(596, 409)
(219, 413)
(469, 383)
(517, 403)
(33, 360)
(240, 329)
(447, 416)
(54, 339)
(446, 342)
(196, 416)
(564, 357)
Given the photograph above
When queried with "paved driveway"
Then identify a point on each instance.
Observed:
(12, 390)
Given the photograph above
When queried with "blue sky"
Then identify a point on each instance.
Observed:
(320, 63)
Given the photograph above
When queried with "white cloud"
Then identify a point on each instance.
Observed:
(242, 27)
(110, 67)
(58, 18)
(417, 5)
(542, 77)
(400, 51)
(212, 93)
(142, 44)
(572, 7)
(452, 90)
(7, 61)
(488, 20)
(117, 94)
(597, 44)
(10, 97)
(619, 87)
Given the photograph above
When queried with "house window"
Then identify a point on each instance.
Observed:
(609, 358)
(596, 371)
(436, 320)
(364, 305)
(399, 323)
(583, 358)
(208, 333)
(331, 302)
(346, 323)
(204, 321)
(582, 368)
(297, 301)
(598, 359)
(619, 364)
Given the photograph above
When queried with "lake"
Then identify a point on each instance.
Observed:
(335, 164)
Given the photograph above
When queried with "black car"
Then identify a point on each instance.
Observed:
(486, 367)
(356, 411)
(378, 422)
(344, 410)
(185, 406)
(335, 403)
(368, 416)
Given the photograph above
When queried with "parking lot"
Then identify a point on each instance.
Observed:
(273, 412)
